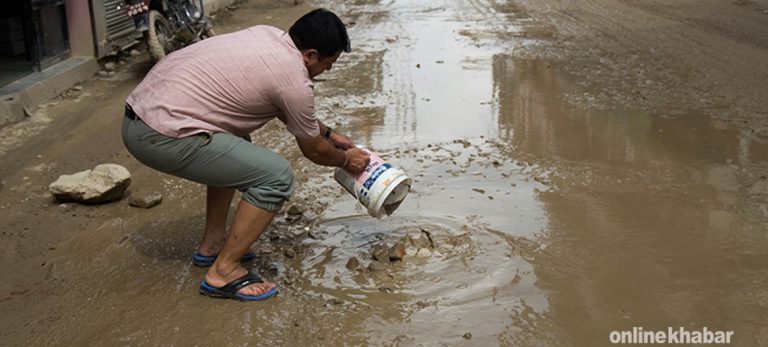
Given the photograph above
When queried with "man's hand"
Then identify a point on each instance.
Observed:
(322, 151)
(341, 141)
(357, 160)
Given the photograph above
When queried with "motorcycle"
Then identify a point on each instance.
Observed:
(168, 25)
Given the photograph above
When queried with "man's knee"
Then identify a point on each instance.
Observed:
(272, 194)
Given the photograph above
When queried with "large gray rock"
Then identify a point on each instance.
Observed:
(106, 182)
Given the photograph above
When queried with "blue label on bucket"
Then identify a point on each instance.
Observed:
(372, 178)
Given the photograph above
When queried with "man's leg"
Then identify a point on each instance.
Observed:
(218, 200)
(250, 222)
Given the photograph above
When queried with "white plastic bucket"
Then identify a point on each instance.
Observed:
(381, 188)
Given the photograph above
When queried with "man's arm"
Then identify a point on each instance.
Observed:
(321, 151)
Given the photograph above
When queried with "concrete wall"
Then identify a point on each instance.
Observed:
(79, 27)
(26, 94)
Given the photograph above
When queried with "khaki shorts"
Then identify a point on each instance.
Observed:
(214, 159)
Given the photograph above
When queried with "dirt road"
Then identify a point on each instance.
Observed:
(581, 167)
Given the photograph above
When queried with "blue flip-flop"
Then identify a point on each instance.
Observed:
(230, 290)
(207, 260)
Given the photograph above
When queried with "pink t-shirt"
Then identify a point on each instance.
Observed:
(232, 83)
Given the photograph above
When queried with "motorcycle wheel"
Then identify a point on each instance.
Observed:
(160, 38)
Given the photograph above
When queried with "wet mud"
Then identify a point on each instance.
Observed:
(575, 172)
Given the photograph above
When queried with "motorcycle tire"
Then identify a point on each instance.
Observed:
(160, 37)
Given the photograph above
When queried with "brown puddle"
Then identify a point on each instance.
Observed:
(633, 219)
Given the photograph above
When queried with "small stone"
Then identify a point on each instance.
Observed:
(381, 253)
(416, 239)
(296, 232)
(109, 66)
(103, 73)
(397, 252)
(295, 211)
(467, 336)
(66, 208)
(377, 266)
(289, 253)
(481, 191)
(146, 200)
(423, 253)
(353, 263)
(78, 88)
(423, 304)
(135, 52)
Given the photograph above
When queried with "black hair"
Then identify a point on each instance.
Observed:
(322, 30)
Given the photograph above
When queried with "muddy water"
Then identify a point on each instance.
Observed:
(551, 222)
(574, 222)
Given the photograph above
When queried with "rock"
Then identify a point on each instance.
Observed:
(289, 253)
(423, 303)
(146, 200)
(135, 52)
(109, 66)
(295, 211)
(467, 336)
(296, 232)
(106, 182)
(103, 73)
(377, 266)
(424, 253)
(380, 253)
(77, 88)
(463, 142)
(397, 252)
(294, 214)
(66, 208)
(353, 263)
(417, 240)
